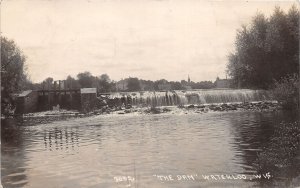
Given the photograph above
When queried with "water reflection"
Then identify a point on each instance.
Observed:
(13, 155)
(61, 139)
(90, 152)
(251, 131)
(253, 135)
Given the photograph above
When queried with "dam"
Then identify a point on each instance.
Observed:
(182, 97)
(88, 99)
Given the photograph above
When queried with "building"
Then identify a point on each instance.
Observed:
(27, 102)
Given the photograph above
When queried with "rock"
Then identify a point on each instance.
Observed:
(153, 110)
(212, 107)
(127, 111)
(128, 106)
(166, 110)
(218, 108)
(233, 108)
(191, 106)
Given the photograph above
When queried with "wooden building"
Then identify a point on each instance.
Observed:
(27, 102)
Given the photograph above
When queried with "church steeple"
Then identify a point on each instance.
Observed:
(189, 80)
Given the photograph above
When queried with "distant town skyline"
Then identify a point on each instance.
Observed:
(148, 39)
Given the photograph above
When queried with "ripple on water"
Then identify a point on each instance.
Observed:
(91, 151)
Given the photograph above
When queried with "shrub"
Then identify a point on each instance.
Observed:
(286, 91)
(282, 151)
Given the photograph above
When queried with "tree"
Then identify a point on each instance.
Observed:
(266, 50)
(12, 73)
(147, 85)
(85, 79)
(176, 86)
(47, 83)
(71, 83)
(133, 84)
(105, 77)
(202, 85)
(113, 86)
(159, 82)
(104, 83)
(183, 82)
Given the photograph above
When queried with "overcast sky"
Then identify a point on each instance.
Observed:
(149, 39)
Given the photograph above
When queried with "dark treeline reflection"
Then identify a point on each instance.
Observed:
(13, 143)
(253, 135)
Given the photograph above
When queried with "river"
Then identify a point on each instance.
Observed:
(164, 150)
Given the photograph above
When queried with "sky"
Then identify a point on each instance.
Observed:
(148, 39)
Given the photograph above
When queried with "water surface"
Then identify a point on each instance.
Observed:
(91, 151)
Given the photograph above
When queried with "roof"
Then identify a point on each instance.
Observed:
(88, 90)
(25, 93)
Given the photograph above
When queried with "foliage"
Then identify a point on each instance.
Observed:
(71, 83)
(267, 49)
(282, 151)
(147, 85)
(85, 79)
(104, 77)
(176, 86)
(13, 75)
(133, 84)
(203, 85)
(159, 83)
(47, 83)
(286, 91)
(105, 84)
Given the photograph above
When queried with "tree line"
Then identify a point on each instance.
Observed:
(103, 83)
(83, 80)
(266, 51)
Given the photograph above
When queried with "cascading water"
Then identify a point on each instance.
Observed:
(175, 98)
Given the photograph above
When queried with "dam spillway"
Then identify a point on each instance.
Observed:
(181, 97)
